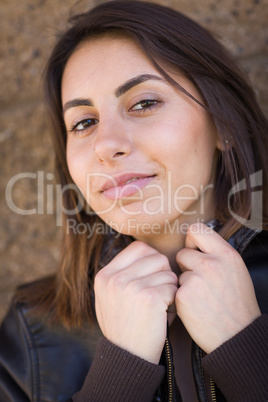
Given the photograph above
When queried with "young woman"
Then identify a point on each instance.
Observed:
(161, 149)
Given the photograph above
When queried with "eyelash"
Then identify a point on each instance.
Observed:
(154, 102)
(150, 104)
(74, 127)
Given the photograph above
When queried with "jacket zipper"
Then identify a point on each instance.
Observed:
(169, 371)
(213, 390)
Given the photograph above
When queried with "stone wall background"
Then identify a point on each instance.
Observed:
(29, 244)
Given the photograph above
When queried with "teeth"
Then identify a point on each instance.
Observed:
(129, 181)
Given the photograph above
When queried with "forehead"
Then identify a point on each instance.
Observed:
(105, 45)
(108, 60)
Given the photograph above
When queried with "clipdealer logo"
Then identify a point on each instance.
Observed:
(256, 182)
(50, 195)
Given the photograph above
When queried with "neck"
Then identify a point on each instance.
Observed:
(171, 239)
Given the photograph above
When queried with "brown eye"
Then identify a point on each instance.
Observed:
(84, 124)
(145, 104)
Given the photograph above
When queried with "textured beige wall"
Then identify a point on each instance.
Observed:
(29, 245)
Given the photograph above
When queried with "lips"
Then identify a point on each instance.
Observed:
(125, 185)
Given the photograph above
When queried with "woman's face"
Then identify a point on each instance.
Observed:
(142, 152)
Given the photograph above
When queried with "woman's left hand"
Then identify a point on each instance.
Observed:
(216, 298)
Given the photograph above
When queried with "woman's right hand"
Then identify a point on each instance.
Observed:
(132, 295)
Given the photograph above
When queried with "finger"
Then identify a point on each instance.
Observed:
(184, 277)
(134, 252)
(162, 294)
(137, 277)
(166, 293)
(189, 259)
(143, 267)
(155, 279)
(202, 237)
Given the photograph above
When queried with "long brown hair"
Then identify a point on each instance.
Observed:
(169, 40)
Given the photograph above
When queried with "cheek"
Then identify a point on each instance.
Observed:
(76, 164)
(194, 148)
(70, 161)
(79, 162)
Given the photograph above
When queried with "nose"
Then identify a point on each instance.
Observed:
(111, 143)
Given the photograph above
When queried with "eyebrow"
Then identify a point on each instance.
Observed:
(121, 90)
(77, 102)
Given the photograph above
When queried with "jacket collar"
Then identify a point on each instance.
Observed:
(240, 239)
